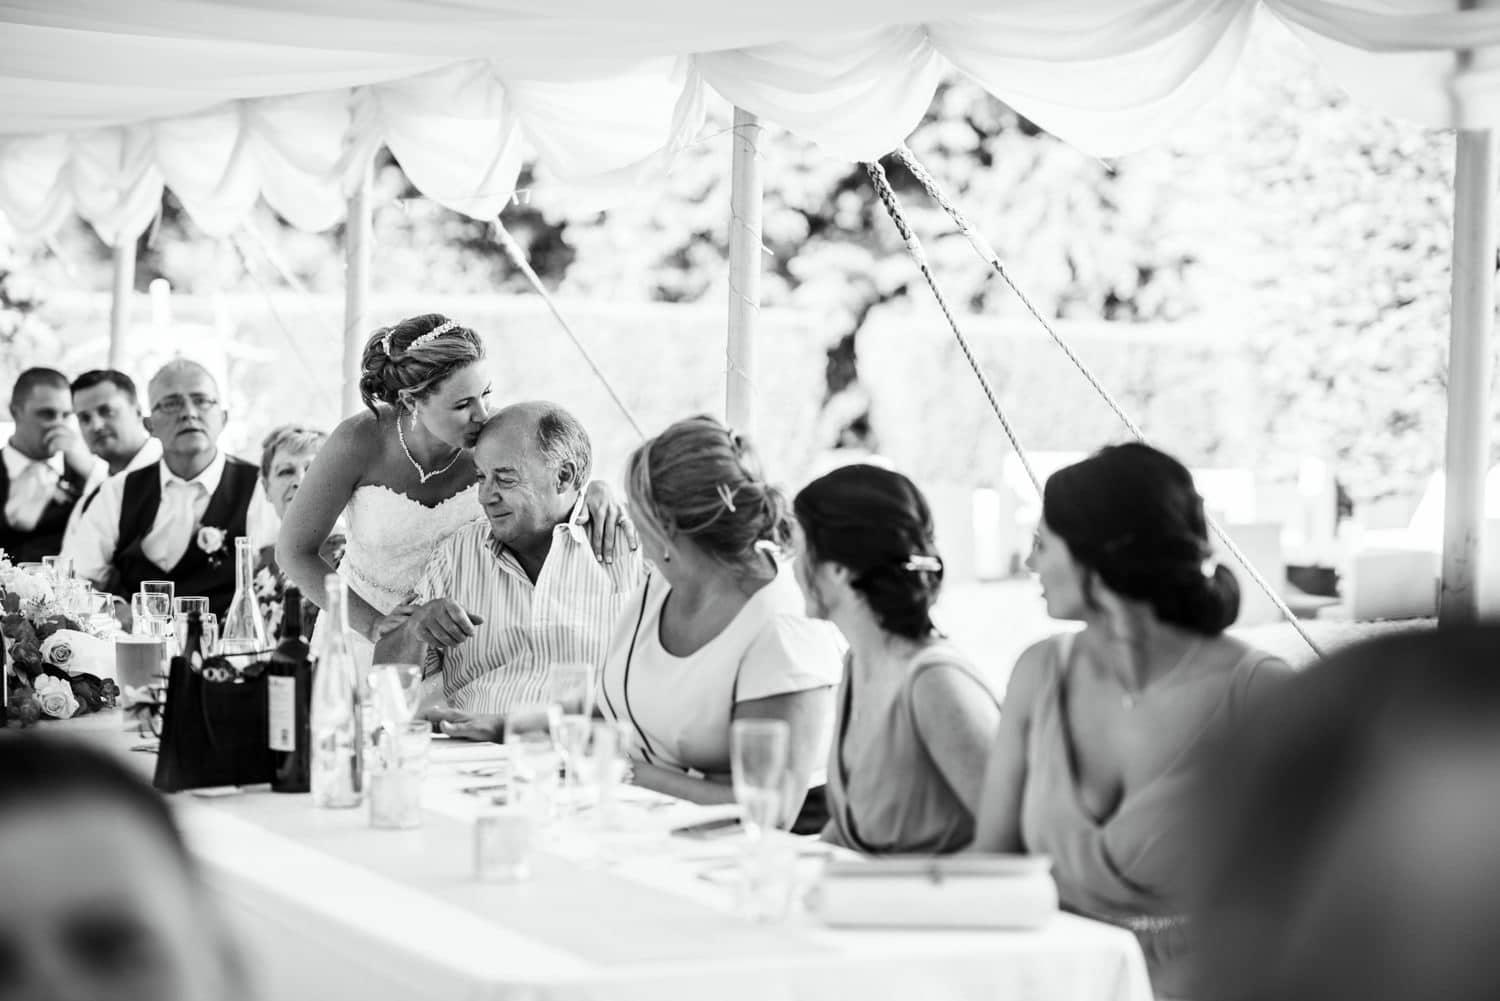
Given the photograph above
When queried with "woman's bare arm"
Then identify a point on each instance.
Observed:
(956, 719)
(316, 507)
(997, 825)
(807, 713)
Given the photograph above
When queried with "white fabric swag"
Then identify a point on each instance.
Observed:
(103, 103)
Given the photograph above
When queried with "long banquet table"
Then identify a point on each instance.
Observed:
(328, 908)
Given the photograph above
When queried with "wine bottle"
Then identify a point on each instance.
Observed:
(243, 630)
(338, 741)
(289, 698)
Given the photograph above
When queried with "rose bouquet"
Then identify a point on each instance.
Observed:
(55, 668)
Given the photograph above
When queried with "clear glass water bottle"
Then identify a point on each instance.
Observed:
(243, 630)
(337, 717)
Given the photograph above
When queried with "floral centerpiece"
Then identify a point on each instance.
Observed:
(55, 668)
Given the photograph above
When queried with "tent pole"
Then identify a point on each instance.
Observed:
(744, 273)
(1470, 366)
(357, 227)
(119, 306)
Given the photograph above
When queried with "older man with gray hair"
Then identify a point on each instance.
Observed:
(177, 518)
(503, 600)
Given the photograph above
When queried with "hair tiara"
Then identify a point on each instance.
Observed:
(433, 334)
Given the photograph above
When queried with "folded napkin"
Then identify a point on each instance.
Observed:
(970, 891)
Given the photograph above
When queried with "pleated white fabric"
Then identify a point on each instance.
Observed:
(229, 102)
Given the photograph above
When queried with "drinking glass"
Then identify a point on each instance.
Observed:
(165, 587)
(181, 606)
(570, 686)
(768, 877)
(535, 760)
(150, 613)
(758, 760)
(396, 767)
(99, 612)
(73, 596)
(570, 703)
(59, 568)
(210, 643)
(502, 844)
(394, 690)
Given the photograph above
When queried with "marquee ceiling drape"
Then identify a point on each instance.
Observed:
(104, 103)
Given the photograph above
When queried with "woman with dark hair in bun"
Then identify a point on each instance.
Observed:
(913, 720)
(1101, 728)
(403, 474)
(717, 632)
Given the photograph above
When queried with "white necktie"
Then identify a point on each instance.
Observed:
(176, 520)
(29, 494)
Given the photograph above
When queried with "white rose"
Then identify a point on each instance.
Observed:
(79, 653)
(210, 539)
(55, 696)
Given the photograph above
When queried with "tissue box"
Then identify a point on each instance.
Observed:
(967, 891)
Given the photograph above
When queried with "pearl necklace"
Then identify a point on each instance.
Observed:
(1128, 698)
(422, 475)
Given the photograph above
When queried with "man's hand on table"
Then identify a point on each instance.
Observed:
(441, 623)
(467, 726)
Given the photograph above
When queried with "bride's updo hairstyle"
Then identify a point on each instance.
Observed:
(1132, 516)
(415, 356)
(876, 523)
(703, 480)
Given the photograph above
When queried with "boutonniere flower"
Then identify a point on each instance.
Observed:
(211, 541)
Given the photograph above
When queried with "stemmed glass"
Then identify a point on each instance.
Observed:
(758, 761)
(570, 703)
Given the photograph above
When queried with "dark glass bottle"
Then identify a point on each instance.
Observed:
(289, 701)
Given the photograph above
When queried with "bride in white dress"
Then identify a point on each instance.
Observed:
(403, 474)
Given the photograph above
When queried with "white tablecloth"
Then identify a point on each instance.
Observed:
(331, 909)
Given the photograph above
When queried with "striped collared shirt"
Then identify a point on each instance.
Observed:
(567, 616)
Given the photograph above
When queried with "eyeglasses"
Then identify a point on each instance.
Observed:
(175, 405)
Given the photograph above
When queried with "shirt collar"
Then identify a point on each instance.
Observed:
(209, 478)
(149, 453)
(16, 463)
(570, 529)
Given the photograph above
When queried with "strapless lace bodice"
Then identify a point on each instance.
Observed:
(391, 538)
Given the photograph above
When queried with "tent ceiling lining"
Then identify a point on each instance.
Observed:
(231, 101)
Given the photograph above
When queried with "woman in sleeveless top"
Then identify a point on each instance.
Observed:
(913, 720)
(717, 632)
(403, 474)
(1101, 731)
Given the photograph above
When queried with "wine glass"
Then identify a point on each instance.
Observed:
(758, 760)
(570, 703)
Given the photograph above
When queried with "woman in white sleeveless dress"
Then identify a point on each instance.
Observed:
(403, 474)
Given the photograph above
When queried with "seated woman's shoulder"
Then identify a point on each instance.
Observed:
(796, 642)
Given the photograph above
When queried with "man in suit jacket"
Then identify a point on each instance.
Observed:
(176, 519)
(46, 467)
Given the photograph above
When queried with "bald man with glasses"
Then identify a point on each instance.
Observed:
(175, 519)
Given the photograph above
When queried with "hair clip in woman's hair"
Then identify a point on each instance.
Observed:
(385, 342)
(727, 496)
(923, 564)
(433, 334)
(1209, 567)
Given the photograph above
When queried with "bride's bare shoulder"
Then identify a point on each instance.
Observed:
(361, 436)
